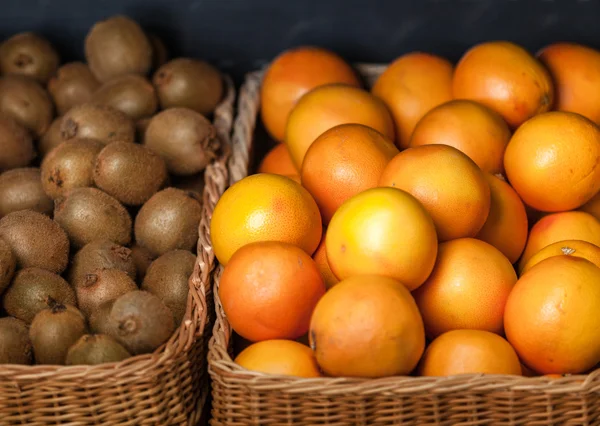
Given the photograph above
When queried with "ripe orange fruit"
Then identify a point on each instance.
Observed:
(467, 288)
(282, 357)
(269, 289)
(506, 78)
(382, 231)
(468, 126)
(328, 106)
(553, 161)
(562, 226)
(320, 258)
(575, 248)
(278, 161)
(447, 182)
(575, 70)
(551, 316)
(367, 326)
(264, 207)
(343, 161)
(593, 206)
(293, 73)
(412, 85)
(506, 226)
(469, 352)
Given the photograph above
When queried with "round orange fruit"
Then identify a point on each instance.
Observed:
(320, 258)
(278, 161)
(575, 248)
(593, 206)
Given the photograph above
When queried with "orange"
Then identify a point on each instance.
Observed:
(343, 161)
(556, 227)
(506, 78)
(447, 182)
(278, 161)
(281, 357)
(383, 231)
(467, 288)
(469, 352)
(293, 73)
(412, 85)
(468, 126)
(553, 161)
(320, 258)
(328, 106)
(269, 289)
(575, 70)
(593, 206)
(264, 207)
(575, 248)
(551, 316)
(294, 177)
(367, 326)
(507, 225)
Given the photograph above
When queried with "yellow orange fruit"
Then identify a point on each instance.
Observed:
(293, 73)
(506, 78)
(264, 207)
(553, 161)
(575, 248)
(269, 290)
(383, 231)
(412, 85)
(343, 161)
(367, 326)
(320, 258)
(447, 182)
(278, 161)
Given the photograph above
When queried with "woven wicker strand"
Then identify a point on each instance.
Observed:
(241, 397)
(168, 387)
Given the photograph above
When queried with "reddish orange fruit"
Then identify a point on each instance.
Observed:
(278, 161)
(575, 248)
(320, 258)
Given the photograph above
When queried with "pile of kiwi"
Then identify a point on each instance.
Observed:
(101, 174)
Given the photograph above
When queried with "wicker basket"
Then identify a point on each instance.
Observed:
(168, 387)
(242, 397)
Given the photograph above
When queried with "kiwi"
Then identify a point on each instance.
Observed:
(17, 145)
(140, 321)
(29, 54)
(99, 319)
(192, 183)
(189, 83)
(117, 46)
(26, 101)
(168, 221)
(186, 139)
(15, 345)
(167, 277)
(140, 127)
(94, 349)
(73, 84)
(132, 94)
(36, 240)
(54, 330)
(69, 165)
(142, 258)
(33, 289)
(8, 265)
(101, 286)
(100, 254)
(21, 189)
(129, 172)
(51, 139)
(160, 54)
(100, 122)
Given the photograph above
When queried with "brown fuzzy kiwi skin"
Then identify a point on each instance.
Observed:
(140, 128)
(167, 277)
(142, 259)
(21, 189)
(36, 240)
(26, 101)
(98, 319)
(95, 349)
(184, 138)
(8, 265)
(129, 172)
(15, 345)
(88, 214)
(29, 54)
(102, 286)
(160, 53)
(32, 290)
(54, 330)
(100, 122)
(132, 94)
(69, 165)
(189, 83)
(74, 84)
(117, 46)
(168, 221)
(51, 139)
(141, 322)
(17, 145)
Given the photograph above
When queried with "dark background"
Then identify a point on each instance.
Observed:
(240, 35)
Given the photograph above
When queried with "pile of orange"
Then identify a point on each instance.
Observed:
(446, 221)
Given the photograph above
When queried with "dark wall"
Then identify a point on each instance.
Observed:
(239, 35)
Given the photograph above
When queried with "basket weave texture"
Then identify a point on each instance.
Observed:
(167, 387)
(241, 397)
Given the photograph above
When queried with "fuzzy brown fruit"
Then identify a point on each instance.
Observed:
(29, 54)
(51, 139)
(94, 349)
(72, 85)
(21, 189)
(100, 122)
(15, 345)
(131, 94)
(102, 286)
(100, 254)
(8, 265)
